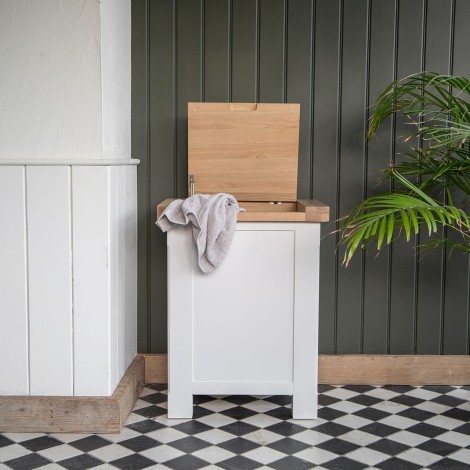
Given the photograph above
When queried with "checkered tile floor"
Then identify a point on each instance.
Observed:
(393, 427)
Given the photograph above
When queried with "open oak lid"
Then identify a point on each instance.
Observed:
(247, 150)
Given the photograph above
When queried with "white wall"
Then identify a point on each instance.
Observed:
(50, 81)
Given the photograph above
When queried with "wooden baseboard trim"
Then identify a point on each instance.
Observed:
(74, 414)
(363, 369)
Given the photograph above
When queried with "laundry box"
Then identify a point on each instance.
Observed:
(251, 326)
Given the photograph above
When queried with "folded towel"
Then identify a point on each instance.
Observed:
(213, 219)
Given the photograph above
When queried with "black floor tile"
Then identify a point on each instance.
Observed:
(379, 429)
(398, 388)
(343, 463)
(139, 443)
(288, 446)
(145, 426)
(427, 430)
(387, 446)
(438, 447)
(291, 463)
(397, 464)
(189, 444)
(371, 414)
(239, 399)
(416, 414)
(4, 441)
(280, 413)
(332, 429)
(238, 412)
(281, 400)
(285, 429)
(238, 428)
(239, 463)
(41, 443)
(192, 427)
(359, 388)
(80, 462)
(27, 462)
(365, 400)
(134, 462)
(326, 400)
(458, 413)
(155, 398)
(448, 463)
(90, 443)
(338, 446)
(329, 413)
(448, 400)
(238, 445)
(407, 400)
(151, 411)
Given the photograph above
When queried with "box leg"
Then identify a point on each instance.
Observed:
(180, 324)
(307, 261)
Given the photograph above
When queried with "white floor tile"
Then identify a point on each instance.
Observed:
(359, 438)
(444, 422)
(340, 393)
(126, 433)
(13, 451)
(422, 393)
(389, 407)
(315, 455)
(62, 452)
(213, 454)
(215, 436)
(111, 452)
(162, 454)
(399, 422)
(216, 420)
(381, 393)
(264, 455)
(263, 437)
(261, 420)
(456, 438)
(367, 456)
(352, 421)
(346, 406)
(218, 405)
(432, 407)
(462, 455)
(166, 435)
(312, 437)
(408, 438)
(420, 457)
(460, 393)
(261, 406)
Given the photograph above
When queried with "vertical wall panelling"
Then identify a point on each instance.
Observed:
(13, 283)
(188, 83)
(162, 161)
(298, 85)
(334, 57)
(325, 150)
(217, 51)
(244, 51)
(91, 306)
(50, 279)
(431, 286)
(457, 295)
(272, 51)
(140, 147)
(382, 54)
(352, 153)
(404, 268)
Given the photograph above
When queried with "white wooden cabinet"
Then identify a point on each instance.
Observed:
(251, 326)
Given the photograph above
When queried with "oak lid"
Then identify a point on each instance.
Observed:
(248, 150)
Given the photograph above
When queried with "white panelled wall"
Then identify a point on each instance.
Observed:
(67, 277)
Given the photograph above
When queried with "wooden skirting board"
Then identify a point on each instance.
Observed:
(362, 369)
(74, 414)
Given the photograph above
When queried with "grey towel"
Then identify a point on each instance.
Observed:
(213, 219)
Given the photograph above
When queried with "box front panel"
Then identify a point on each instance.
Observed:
(243, 312)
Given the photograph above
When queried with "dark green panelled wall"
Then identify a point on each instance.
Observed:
(333, 57)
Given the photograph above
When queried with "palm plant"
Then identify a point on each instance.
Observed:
(438, 108)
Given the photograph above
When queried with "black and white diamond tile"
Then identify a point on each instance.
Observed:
(359, 427)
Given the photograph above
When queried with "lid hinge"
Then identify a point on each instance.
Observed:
(191, 185)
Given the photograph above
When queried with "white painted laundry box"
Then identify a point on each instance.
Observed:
(251, 326)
